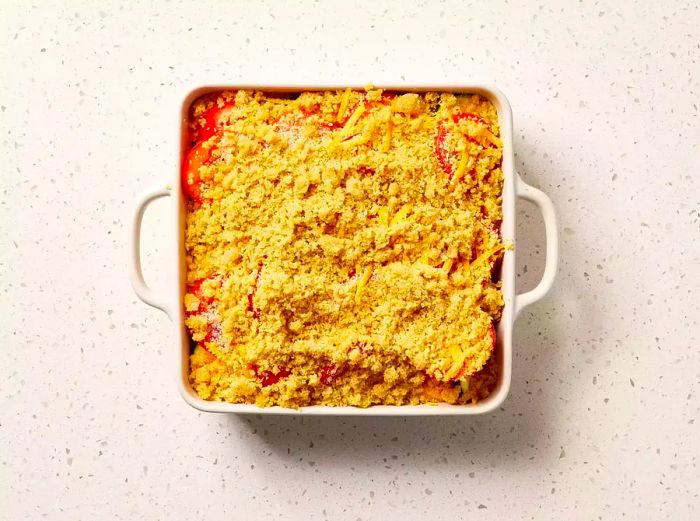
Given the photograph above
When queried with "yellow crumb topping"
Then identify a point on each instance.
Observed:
(340, 247)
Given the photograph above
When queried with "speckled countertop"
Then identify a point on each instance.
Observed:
(603, 420)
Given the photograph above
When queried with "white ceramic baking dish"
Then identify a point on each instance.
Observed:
(513, 188)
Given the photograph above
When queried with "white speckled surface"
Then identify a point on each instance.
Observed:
(603, 421)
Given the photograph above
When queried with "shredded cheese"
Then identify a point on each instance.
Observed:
(458, 357)
(488, 253)
(362, 283)
(350, 125)
(343, 105)
(401, 215)
(461, 167)
(491, 138)
(447, 266)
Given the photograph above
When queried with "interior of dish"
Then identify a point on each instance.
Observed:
(341, 247)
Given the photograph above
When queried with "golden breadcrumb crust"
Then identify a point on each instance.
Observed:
(340, 249)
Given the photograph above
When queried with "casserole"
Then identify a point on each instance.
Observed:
(513, 187)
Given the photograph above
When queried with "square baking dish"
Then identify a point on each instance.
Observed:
(513, 188)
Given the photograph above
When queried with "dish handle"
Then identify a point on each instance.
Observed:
(137, 281)
(544, 203)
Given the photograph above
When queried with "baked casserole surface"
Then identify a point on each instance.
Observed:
(341, 247)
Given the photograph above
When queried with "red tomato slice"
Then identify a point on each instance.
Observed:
(196, 289)
(207, 307)
(470, 116)
(198, 156)
(214, 120)
(328, 374)
(445, 155)
(268, 378)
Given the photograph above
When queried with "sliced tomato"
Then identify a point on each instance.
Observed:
(267, 378)
(214, 120)
(446, 156)
(468, 115)
(329, 372)
(197, 157)
(492, 332)
(196, 289)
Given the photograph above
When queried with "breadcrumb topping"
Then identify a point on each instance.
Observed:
(341, 247)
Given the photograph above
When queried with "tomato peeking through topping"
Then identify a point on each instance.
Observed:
(214, 120)
(197, 157)
(267, 378)
(470, 116)
(207, 308)
(328, 373)
(445, 155)
(196, 289)
(207, 139)
(445, 151)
